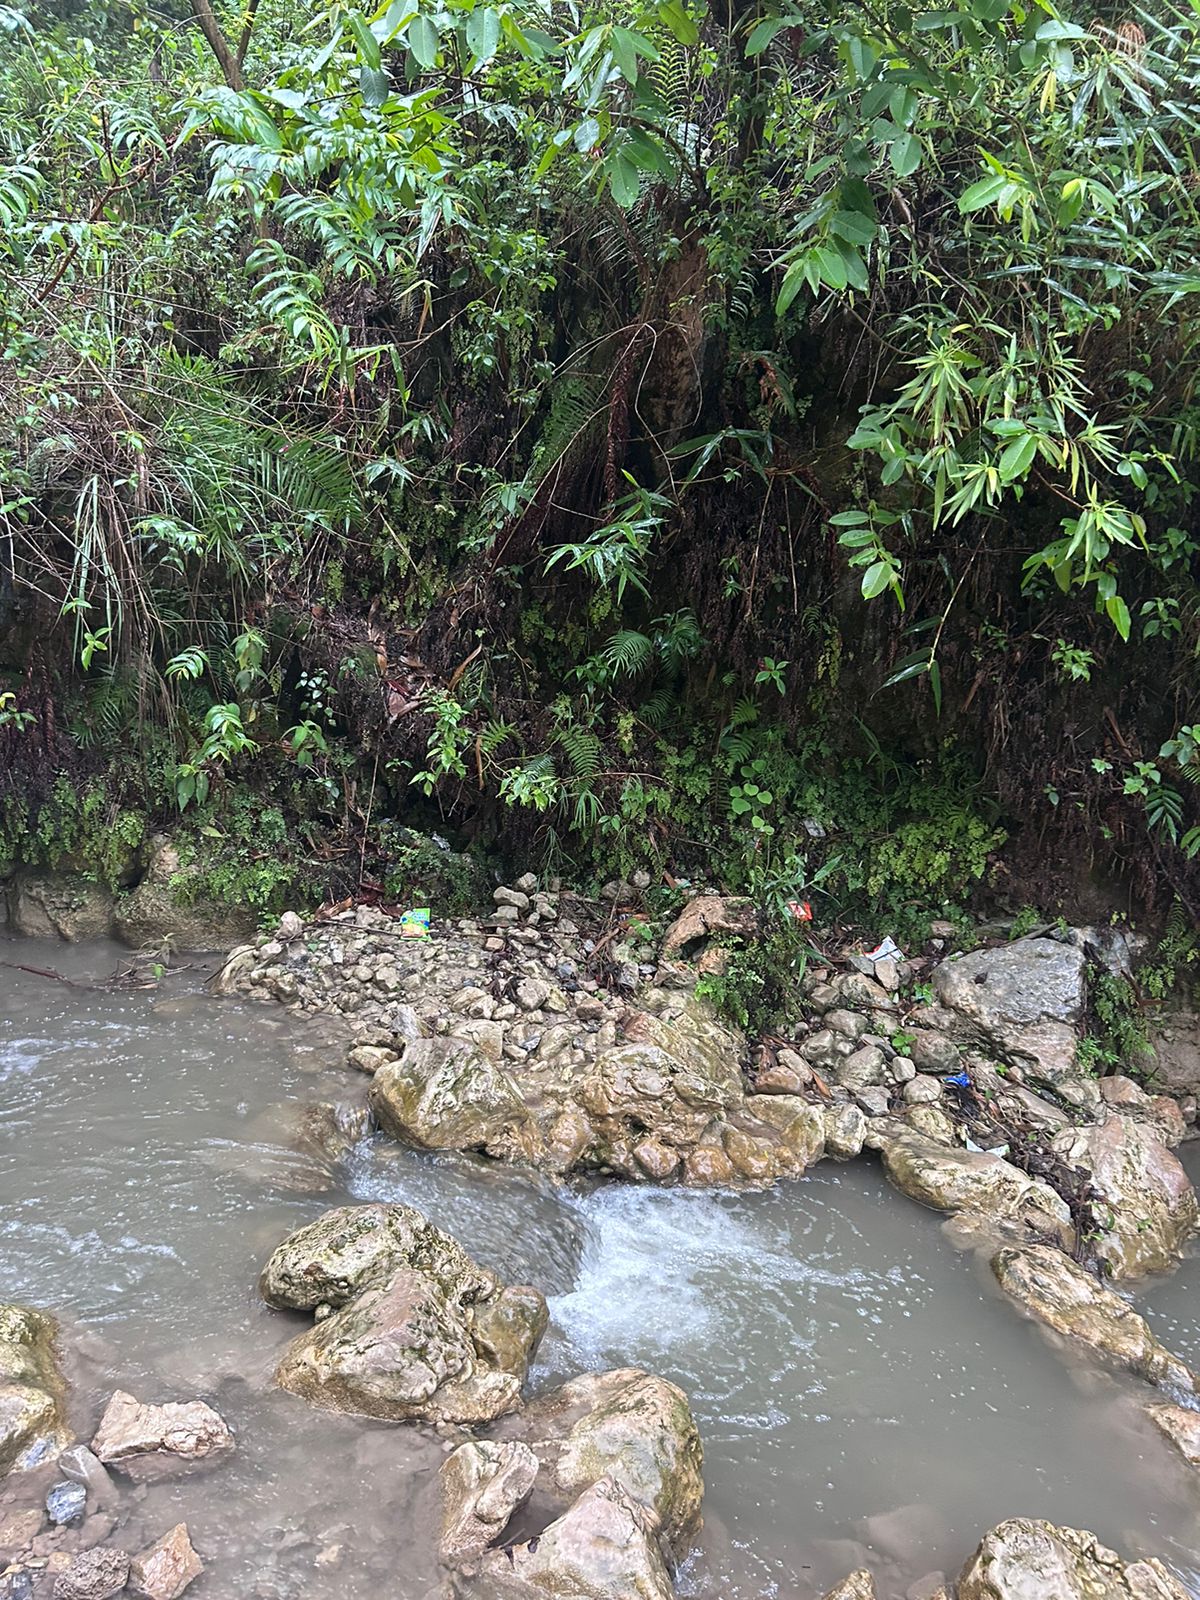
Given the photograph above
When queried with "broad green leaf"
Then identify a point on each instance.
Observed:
(1017, 457)
(368, 44)
(422, 39)
(761, 36)
(876, 579)
(374, 86)
(984, 193)
(1118, 613)
(832, 268)
(483, 33)
(624, 180)
(905, 154)
(587, 135)
(680, 23)
(853, 227)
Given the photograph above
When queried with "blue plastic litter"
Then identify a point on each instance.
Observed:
(962, 1079)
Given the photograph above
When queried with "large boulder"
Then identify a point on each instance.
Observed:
(168, 904)
(1026, 1000)
(633, 1428)
(604, 1547)
(1150, 1206)
(150, 1440)
(950, 1179)
(483, 1482)
(33, 1425)
(1031, 1560)
(445, 1094)
(334, 1258)
(59, 906)
(1055, 1291)
(415, 1329)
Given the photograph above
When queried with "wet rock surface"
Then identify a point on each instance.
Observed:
(420, 1331)
(482, 1484)
(33, 1424)
(1030, 1560)
(166, 1568)
(986, 1185)
(153, 1440)
(859, 1585)
(1057, 1292)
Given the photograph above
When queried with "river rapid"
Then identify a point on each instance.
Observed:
(863, 1395)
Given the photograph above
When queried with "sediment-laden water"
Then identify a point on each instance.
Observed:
(862, 1392)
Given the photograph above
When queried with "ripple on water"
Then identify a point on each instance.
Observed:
(845, 1364)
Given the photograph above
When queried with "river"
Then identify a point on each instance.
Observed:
(862, 1392)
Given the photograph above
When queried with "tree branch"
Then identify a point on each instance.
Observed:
(230, 64)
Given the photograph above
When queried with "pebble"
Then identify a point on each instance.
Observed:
(66, 1502)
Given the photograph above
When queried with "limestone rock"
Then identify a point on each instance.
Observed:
(1159, 1112)
(1031, 1560)
(420, 1331)
(444, 1094)
(483, 1483)
(859, 1585)
(332, 1259)
(634, 1429)
(845, 1130)
(164, 1570)
(146, 1439)
(702, 918)
(59, 906)
(163, 906)
(951, 1179)
(33, 1423)
(398, 1350)
(93, 1575)
(1057, 1292)
(1181, 1427)
(604, 1547)
(1152, 1206)
(1025, 999)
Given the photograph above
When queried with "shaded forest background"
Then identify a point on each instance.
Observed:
(745, 444)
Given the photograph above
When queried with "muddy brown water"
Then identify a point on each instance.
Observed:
(863, 1394)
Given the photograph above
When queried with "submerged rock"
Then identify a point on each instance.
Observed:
(1025, 999)
(1025, 1559)
(145, 1440)
(604, 1547)
(420, 1331)
(164, 1570)
(859, 1585)
(951, 1179)
(1058, 1293)
(66, 1502)
(1151, 1205)
(483, 1483)
(93, 1575)
(33, 1424)
(1181, 1427)
(633, 1428)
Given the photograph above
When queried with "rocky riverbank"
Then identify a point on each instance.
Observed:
(516, 1035)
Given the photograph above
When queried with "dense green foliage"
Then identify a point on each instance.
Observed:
(745, 440)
